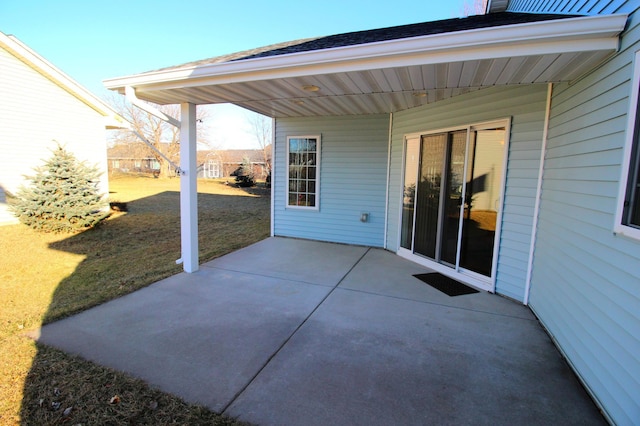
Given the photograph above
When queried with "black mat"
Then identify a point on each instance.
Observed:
(445, 284)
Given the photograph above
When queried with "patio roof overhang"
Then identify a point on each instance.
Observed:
(389, 76)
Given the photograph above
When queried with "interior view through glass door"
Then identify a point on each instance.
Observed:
(452, 196)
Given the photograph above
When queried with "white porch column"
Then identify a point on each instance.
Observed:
(188, 188)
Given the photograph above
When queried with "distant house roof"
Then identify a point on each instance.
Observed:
(236, 156)
(21, 51)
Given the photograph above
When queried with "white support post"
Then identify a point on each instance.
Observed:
(188, 188)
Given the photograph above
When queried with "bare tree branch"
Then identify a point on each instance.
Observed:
(162, 135)
(261, 126)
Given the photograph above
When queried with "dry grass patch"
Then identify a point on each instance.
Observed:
(44, 277)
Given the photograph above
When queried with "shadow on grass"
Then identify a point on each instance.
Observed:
(123, 254)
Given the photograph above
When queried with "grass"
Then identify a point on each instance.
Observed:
(45, 277)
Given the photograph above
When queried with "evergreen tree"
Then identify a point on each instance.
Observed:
(246, 176)
(63, 196)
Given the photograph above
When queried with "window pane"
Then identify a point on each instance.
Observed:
(632, 201)
(634, 213)
(302, 174)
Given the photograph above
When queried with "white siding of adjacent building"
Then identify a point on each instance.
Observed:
(353, 180)
(586, 281)
(35, 113)
(525, 106)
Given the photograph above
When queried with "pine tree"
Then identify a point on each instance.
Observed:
(63, 196)
(246, 176)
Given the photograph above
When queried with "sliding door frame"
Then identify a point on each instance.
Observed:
(469, 277)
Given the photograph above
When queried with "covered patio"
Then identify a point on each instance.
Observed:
(292, 332)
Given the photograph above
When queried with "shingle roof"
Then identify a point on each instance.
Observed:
(381, 34)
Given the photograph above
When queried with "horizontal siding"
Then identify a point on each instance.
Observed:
(584, 7)
(353, 173)
(525, 105)
(34, 114)
(586, 281)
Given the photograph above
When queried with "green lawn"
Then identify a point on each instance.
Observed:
(44, 277)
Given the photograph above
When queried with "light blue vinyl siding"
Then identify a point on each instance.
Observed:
(586, 281)
(585, 7)
(353, 176)
(525, 105)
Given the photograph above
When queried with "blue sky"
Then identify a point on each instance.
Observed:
(92, 40)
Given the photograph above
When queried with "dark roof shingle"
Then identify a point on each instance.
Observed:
(381, 34)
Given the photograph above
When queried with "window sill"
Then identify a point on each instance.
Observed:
(627, 232)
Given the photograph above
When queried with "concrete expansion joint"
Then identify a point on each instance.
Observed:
(254, 274)
(284, 343)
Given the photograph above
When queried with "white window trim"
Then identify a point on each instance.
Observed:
(619, 227)
(318, 161)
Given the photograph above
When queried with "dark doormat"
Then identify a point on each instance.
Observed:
(445, 284)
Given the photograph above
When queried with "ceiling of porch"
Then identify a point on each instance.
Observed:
(298, 79)
(382, 90)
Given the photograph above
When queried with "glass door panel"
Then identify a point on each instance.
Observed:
(428, 194)
(483, 195)
(453, 196)
(411, 162)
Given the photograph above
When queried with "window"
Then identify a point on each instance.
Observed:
(303, 171)
(628, 214)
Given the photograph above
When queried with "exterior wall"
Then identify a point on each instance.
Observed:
(34, 114)
(592, 7)
(525, 105)
(353, 172)
(586, 281)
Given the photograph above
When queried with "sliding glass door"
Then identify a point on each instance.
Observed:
(452, 197)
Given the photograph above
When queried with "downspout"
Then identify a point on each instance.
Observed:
(536, 208)
(386, 204)
(130, 94)
(157, 151)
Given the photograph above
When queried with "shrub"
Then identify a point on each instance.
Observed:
(63, 196)
(244, 174)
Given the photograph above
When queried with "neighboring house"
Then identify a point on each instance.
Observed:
(501, 150)
(224, 162)
(132, 158)
(42, 106)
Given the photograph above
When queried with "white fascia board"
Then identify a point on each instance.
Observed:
(55, 75)
(591, 33)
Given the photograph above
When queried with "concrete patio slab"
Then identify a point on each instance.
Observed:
(365, 359)
(201, 336)
(387, 274)
(294, 259)
(294, 332)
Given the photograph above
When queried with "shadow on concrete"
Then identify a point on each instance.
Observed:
(149, 233)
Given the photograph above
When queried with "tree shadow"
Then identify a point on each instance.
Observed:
(127, 252)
